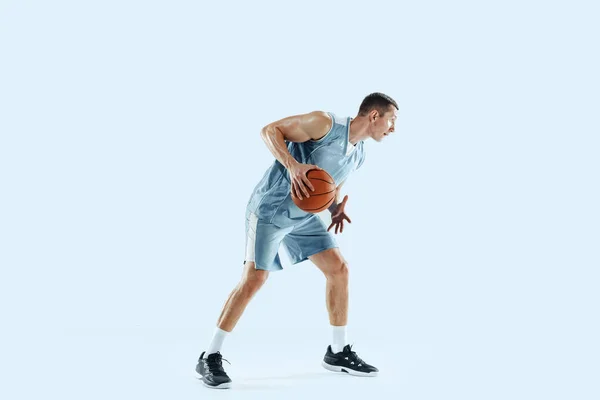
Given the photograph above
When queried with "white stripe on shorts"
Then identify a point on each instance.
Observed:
(251, 237)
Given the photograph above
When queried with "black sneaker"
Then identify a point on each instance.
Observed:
(211, 371)
(347, 361)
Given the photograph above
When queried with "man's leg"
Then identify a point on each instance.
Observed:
(252, 280)
(263, 238)
(335, 268)
(209, 365)
(339, 357)
(311, 237)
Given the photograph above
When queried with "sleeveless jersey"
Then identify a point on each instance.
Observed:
(271, 200)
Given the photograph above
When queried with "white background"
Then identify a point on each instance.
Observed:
(130, 145)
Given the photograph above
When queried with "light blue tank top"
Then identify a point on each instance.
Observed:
(271, 199)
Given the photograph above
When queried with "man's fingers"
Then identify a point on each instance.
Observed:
(308, 183)
(304, 189)
(330, 226)
(295, 191)
(348, 218)
(345, 200)
(342, 226)
(301, 190)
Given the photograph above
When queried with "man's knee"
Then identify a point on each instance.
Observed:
(253, 278)
(338, 270)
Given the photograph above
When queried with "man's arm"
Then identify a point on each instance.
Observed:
(338, 213)
(336, 200)
(298, 128)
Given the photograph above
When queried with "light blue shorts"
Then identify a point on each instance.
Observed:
(301, 240)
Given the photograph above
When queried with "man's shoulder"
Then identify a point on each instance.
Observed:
(322, 118)
(321, 123)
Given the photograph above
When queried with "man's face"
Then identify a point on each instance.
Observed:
(383, 125)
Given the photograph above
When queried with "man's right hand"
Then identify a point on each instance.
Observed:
(300, 183)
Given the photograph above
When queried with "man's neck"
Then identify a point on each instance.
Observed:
(358, 129)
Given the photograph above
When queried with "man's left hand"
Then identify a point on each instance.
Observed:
(338, 216)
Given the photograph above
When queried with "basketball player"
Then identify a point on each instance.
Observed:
(317, 140)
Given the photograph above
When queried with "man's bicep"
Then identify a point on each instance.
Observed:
(304, 127)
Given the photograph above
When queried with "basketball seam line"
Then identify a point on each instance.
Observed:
(325, 205)
(319, 179)
(321, 194)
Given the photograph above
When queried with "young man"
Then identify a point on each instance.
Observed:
(316, 140)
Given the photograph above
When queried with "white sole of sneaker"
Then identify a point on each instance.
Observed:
(336, 368)
(221, 386)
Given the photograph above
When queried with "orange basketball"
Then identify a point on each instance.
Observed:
(323, 195)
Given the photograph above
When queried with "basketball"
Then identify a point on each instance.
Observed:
(323, 195)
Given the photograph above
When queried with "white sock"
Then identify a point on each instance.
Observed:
(339, 338)
(217, 341)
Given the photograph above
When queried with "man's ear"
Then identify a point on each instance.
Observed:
(373, 115)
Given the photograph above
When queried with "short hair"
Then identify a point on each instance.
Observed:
(378, 101)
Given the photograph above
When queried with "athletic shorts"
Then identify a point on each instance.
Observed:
(304, 239)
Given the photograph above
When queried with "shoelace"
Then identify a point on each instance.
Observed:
(215, 366)
(353, 356)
